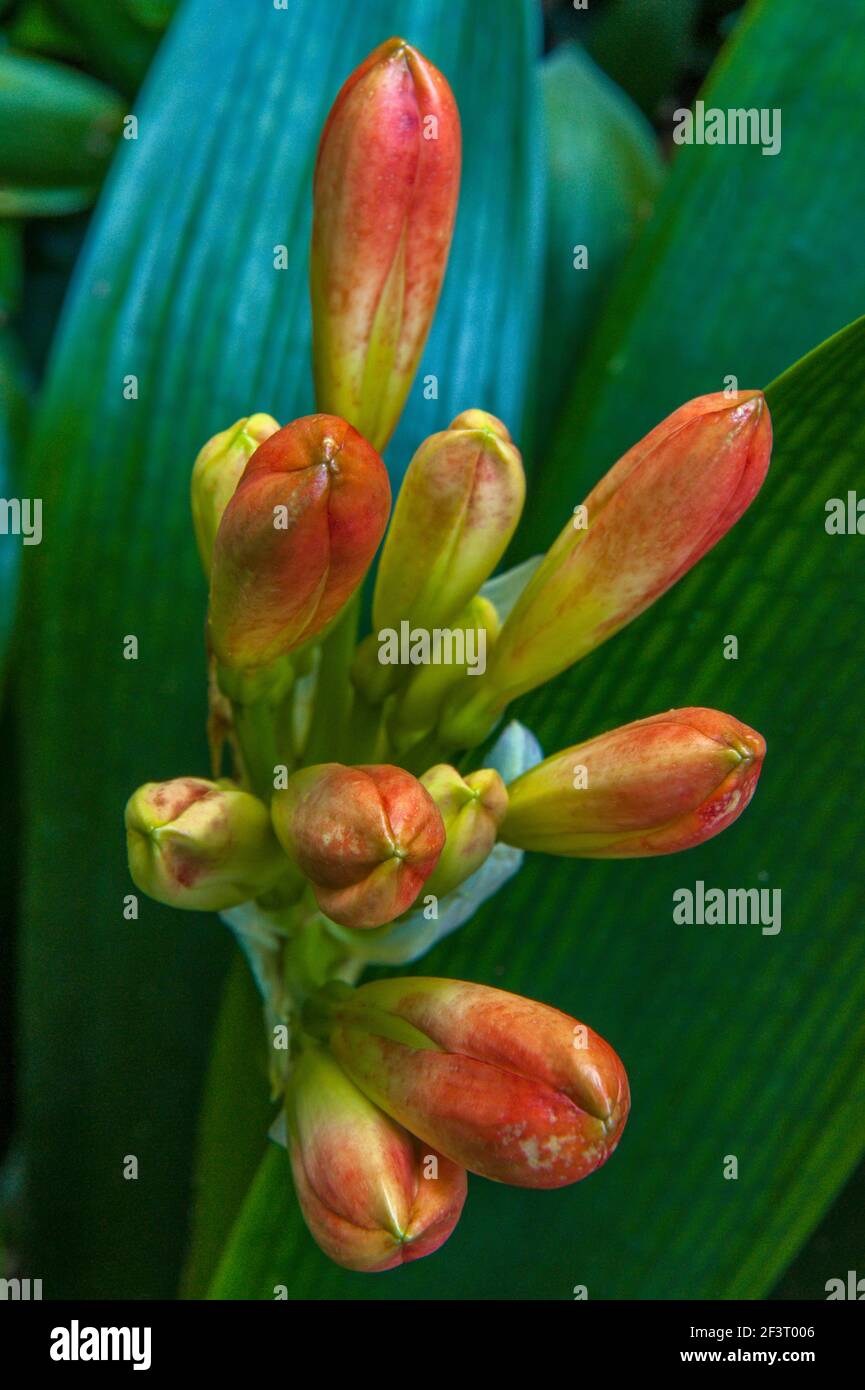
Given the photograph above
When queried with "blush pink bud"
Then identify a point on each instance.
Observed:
(372, 1195)
(384, 202)
(656, 786)
(295, 540)
(649, 520)
(368, 838)
(510, 1089)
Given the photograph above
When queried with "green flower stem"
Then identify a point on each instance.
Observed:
(333, 692)
(369, 741)
(261, 736)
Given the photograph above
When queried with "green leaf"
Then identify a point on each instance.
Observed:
(119, 38)
(236, 1116)
(35, 26)
(644, 46)
(736, 1042)
(57, 132)
(604, 172)
(177, 288)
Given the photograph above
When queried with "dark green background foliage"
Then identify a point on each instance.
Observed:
(735, 1042)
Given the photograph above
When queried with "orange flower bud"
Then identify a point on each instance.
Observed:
(368, 838)
(666, 502)
(372, 1195)
(656, 786)
(295, 540)
(507, 1088)
(384, 202)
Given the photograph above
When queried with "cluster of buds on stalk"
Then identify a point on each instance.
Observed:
(352, 814)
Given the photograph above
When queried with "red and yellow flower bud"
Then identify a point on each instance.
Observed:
(655, 514)
(372, 1195)
(202, 845)
(216, 473)
(368, 838)
(656, 786)
(456, 512)
(384, 202)
(508, 1088)
(295, 540)
(472, 808)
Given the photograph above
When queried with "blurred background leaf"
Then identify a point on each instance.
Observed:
(118, 37)
(643, 45)
(604, 171)
(177, 288)
(34, 25)
(13, 401)
(58, 129)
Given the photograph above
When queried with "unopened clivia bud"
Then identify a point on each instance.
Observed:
(372, 1195)
(656, 786)
(202, 845)
(295, 540)
(666, 502)
(384, 201)
(416, 706)
(507, 1088)
(216, 473)
(456, 512)
(368, 838)
(472, 808)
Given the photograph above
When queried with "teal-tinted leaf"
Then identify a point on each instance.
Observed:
(603, 176)
(57, 132)
(177, 288)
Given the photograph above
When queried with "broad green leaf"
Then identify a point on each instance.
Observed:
(177, 289)
(736, 1042)
(57, 131)
(604, 173)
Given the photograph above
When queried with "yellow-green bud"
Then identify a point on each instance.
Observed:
(202, 845)
(472, 809)
(216, 473)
